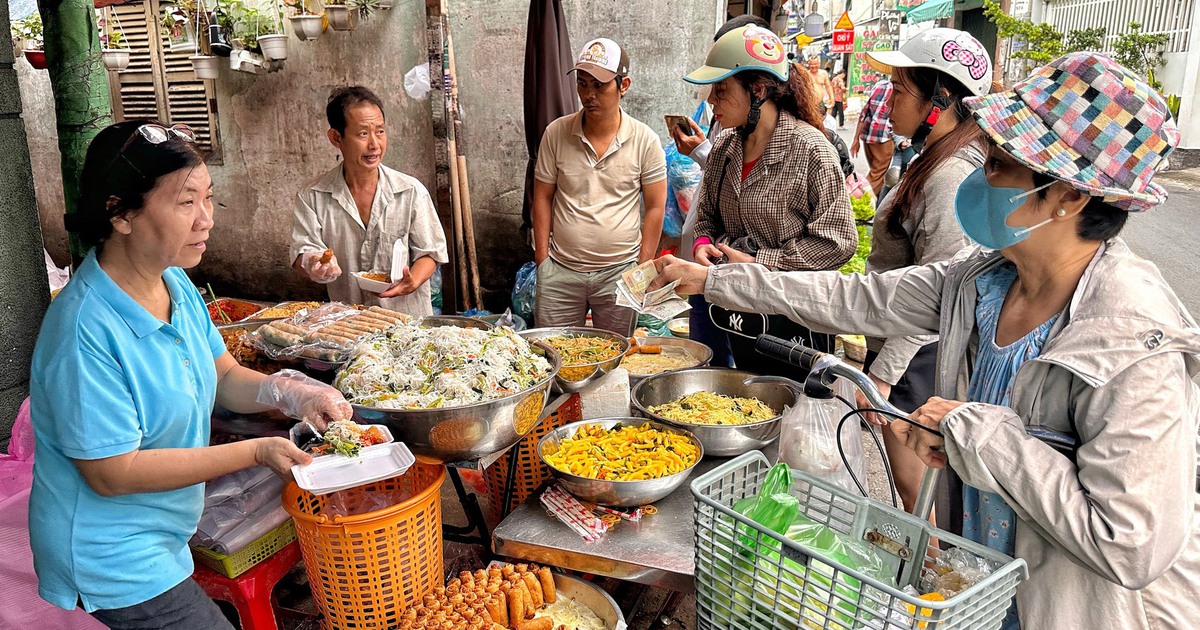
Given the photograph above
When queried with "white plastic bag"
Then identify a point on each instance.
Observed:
(416, 81)
(806, 439)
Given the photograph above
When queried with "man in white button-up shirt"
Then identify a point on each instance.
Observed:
(367, 214)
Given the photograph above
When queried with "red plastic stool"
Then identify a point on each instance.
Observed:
(250, 592)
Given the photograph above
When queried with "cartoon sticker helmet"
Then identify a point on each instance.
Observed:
(745, 48)
(954, 52)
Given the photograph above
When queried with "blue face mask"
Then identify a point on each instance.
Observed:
(983, 211)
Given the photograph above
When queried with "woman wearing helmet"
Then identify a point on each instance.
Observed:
(1076, 359)
(915, 224)
(773, 190)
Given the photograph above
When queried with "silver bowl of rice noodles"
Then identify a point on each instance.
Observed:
(451, 389)
(719, 440)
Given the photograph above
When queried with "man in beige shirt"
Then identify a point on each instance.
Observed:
(596, 171)
(369, 215)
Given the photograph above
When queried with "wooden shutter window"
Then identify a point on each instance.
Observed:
(159, 83)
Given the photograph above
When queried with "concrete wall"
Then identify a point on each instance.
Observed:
(273, 131)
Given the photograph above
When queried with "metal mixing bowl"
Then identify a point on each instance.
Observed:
(469, 432)
(718, 440)
(616, 493)
(574, 378)
(700, 353)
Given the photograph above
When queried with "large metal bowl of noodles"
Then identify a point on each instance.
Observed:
(468, 432)
(578, 376)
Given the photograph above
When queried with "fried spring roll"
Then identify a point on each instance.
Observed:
(535, 589)
(497, 607)
(549, 593)
(481, 576)
(541, 623)
(516, 605)
(507, 570)
(494, 575)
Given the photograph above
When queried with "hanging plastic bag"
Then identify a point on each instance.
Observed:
(807, 439)
(525, 291)
(416, 81)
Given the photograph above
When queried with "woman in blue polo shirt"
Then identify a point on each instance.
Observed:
(126, 371)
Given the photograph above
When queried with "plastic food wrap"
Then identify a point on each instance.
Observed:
(356, 501)
(954, 571)
(325, 333)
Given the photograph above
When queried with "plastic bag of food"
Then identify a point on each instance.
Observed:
(524, 291)
(823, 578)
(955, 570)
(356, 501)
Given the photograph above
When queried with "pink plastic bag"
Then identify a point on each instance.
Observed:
(20, 604)
(859, 186)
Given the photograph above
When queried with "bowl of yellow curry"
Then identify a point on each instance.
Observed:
(622, 462)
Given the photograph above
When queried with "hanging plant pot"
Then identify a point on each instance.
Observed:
(36, 58)
(205, 66)
(246, 61)
(273, 46)
(182, 38)
(116, 59)
(307, 27)
(341, 17)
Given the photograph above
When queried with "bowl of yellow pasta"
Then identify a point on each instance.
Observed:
(587, 353)
(623, 462)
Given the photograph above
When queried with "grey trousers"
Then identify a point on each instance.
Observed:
(184, 607)
(564, 296)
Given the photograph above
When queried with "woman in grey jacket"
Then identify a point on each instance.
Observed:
(1078, 440)
(915, 224)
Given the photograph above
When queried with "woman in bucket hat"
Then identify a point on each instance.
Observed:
(1078, 438)
(773, 189)
(933, 74)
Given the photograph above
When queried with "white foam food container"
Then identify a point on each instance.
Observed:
(330, 473)
(367, 284)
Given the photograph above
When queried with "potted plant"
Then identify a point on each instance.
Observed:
(258, 31)
(366, 8)
(307, 25)
(29, 31)
(115, 48)
(178, 23)
(341, 16)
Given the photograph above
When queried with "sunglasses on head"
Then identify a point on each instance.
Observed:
(155, 134)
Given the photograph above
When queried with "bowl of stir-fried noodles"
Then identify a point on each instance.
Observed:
(587, 354)
(727, 414)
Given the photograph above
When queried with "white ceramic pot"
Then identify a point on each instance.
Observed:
(116, 58)
(273, 46)
(205, 66)
(307, 27)
(341, 17)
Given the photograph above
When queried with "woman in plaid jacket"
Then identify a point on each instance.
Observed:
(773, 190)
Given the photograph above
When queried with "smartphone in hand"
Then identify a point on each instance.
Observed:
(678, 122)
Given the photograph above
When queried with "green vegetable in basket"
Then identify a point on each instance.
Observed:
(863, 206)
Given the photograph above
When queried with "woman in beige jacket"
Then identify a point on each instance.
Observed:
(1092, 448)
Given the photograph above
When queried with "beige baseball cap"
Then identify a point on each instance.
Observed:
(604, 59)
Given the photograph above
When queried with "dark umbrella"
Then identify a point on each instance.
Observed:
(548, 94)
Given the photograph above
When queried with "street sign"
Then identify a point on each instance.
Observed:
(843, 42)
(889, 23)
(844, 23)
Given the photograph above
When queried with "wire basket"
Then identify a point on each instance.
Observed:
(741, 583)
(234, 564)
(366, 569)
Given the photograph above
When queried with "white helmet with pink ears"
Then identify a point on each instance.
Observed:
(954, 52)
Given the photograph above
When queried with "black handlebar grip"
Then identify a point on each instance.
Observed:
(795, 353)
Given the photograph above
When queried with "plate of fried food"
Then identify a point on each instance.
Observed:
(372, 281)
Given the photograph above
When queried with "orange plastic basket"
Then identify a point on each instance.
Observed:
(531, 472)
(365, 570)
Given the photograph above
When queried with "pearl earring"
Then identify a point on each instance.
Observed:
(1062, 212)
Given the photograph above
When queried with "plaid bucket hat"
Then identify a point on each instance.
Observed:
(1086, 120)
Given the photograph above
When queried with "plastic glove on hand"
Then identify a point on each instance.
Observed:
(304, 398)
(318, 271)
